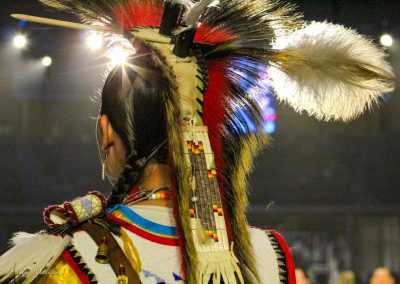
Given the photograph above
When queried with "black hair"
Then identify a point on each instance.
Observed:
(132, 100)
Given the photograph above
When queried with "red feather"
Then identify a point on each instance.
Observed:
(140, 13)
(210, 35)
(214, 101)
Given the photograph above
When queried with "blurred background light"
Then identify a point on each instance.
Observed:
(22, 23)
(46, 61)
(94, 40)
(118, 55)
(386, 40)
(20, 41)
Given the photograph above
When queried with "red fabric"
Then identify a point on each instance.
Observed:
(288, 255)
(214, 117)
(75, 267)
(140, 13)
(207, 34)
(214, 107)
(48, 210)
(144, 234)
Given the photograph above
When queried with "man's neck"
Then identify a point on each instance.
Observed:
(155, 175)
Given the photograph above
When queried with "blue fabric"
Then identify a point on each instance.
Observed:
(144, 223)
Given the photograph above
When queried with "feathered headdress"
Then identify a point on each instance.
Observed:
(226, 55)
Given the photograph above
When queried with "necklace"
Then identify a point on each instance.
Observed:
(140, 193)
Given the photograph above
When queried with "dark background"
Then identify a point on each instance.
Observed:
(332, 189)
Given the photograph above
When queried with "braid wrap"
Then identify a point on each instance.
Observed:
(129, 177)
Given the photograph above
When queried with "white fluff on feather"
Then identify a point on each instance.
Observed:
(31, 255)
(196, 9)
(323, 71)
(187, 3)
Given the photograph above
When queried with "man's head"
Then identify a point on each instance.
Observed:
(132, 128)
(382, 275)
(301, 277)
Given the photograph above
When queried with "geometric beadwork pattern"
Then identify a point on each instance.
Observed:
(206, 208)
(87, 207)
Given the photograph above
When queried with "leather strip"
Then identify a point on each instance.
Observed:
(116, 254)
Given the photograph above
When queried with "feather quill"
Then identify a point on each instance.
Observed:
(117, 16)
(329, 71)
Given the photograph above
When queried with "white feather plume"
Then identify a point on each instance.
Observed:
(329, 71)
(31, 255)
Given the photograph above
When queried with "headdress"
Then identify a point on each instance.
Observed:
(223, 57)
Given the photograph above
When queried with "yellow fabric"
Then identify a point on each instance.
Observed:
(61, 272)
(129, 248)
(131, 251)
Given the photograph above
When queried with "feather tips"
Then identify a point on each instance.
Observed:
(117, 15)
(249, 23)
(330, 72)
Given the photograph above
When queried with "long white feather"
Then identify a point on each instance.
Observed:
(329, 71)
(31, 255)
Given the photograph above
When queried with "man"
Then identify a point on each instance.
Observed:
(382, 275)
(301, 277)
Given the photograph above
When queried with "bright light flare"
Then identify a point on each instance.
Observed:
(118, 55)
(386, 40)
(46, 61)
(94, 40)
(20, 41)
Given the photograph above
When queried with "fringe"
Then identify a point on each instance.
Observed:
(215, 267)
(236, 198)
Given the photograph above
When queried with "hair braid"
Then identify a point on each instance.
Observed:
(132, 173)
(128, 178)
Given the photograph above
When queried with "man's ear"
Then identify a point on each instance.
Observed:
(107, 131)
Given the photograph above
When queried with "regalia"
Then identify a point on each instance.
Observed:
(221, 57)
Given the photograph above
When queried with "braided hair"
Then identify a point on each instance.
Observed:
(131, 98)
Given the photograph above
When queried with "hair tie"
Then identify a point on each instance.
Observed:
(141, 163)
